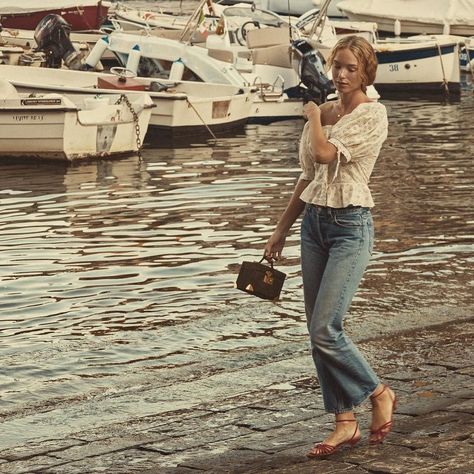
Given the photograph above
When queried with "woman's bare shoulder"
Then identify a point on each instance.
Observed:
(328, 106)
(328, 113)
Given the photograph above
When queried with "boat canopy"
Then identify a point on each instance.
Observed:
(452, 12)
(283, 7)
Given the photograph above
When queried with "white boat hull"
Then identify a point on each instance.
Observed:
(184, 108)
(191, 117)
(282, 108)
(426, 66)
(52, 127)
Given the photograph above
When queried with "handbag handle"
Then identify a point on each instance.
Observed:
(269, 261)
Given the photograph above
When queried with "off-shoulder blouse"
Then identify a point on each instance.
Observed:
(358, 138)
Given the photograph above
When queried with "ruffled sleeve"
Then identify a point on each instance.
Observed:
(305, 156)
(360, 133)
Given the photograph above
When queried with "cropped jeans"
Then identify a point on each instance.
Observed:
(336, 245)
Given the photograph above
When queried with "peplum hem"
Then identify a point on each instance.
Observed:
(338, 195)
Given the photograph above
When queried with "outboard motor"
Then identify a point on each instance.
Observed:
(52, 38)
(312, 73)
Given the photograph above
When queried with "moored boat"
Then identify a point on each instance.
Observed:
(467, 55)
(282, 7)
(285, 7)
(250, 47)
(454, 17)
(50, 126)
(183, 108)
(419, 64)
(80, 14)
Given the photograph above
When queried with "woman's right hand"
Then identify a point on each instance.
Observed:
(274, 246)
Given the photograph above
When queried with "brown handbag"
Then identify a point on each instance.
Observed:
(260, 280)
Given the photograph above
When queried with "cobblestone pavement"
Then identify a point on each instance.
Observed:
(270, 430)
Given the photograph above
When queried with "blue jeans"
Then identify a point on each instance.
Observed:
(336, 245)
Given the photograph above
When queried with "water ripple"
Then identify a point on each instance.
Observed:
(115, 266)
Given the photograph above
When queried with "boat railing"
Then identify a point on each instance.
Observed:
(121, 25)
(270, 91)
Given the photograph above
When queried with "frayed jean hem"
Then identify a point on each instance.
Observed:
(362, 399)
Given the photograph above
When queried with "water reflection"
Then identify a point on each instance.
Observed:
(110, 268)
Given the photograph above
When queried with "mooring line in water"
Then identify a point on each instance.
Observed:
(202, 120)
(445, 81)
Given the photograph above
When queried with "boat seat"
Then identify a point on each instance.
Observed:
(167, 34)
(280, 55)
(271, 36)
(221, 55)
(246, 54)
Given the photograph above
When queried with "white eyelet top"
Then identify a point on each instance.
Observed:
(358, 137)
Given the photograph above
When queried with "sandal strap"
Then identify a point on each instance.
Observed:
(346, 421)
(383, 428)
(322, 448)
(372, 397)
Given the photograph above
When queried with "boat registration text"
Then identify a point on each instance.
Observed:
(28, 118)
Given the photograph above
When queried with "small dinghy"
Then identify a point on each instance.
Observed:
(51, 126)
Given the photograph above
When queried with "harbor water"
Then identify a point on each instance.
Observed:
(117, 271)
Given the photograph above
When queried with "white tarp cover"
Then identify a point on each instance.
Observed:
(453, 12)
(292, 7)
(27, 6)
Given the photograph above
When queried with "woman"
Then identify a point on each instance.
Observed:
(339, 146)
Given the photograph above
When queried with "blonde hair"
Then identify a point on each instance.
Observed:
(365, 54)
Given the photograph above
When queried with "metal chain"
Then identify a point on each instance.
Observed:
(124, 98)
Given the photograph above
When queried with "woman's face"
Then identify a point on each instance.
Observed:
(345, 71)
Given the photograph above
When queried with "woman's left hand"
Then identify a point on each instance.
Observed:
(311, 110)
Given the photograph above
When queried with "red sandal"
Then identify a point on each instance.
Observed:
(377, 436)
(321, 450)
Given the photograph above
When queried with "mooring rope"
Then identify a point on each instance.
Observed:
(445, 82)
(202, 120)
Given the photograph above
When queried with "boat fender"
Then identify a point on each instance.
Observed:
(446, 29)
(97, 52)
(397, 27)
(134, 59)
(156, 86)
(177, 70)
(91, 103)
